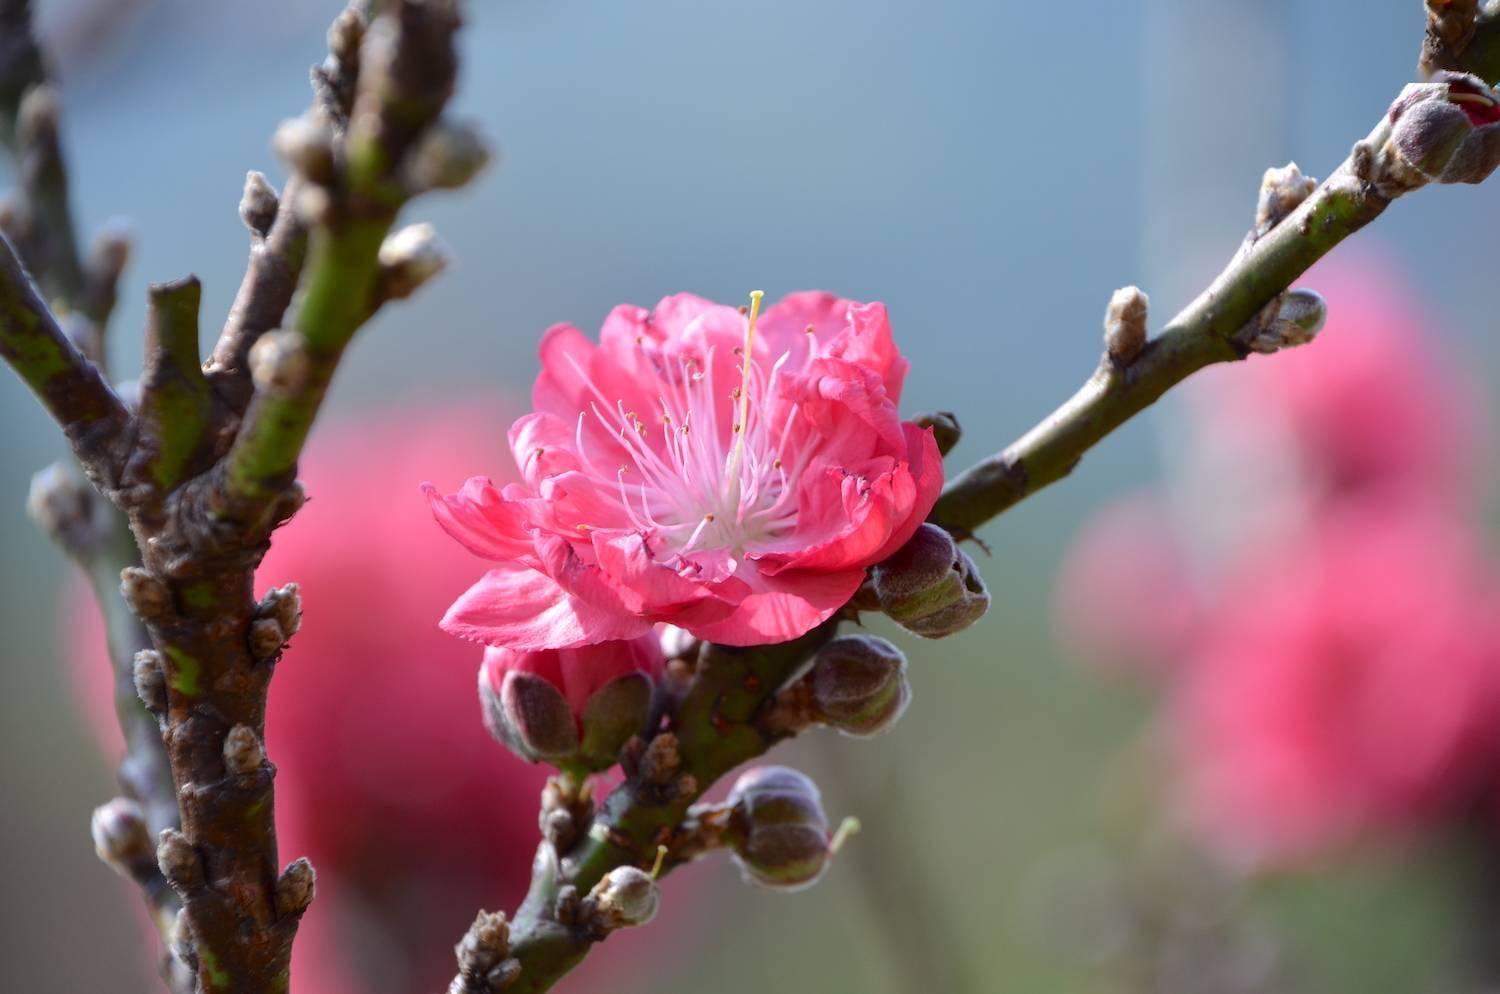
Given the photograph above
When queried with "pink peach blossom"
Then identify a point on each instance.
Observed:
(1346, 688)
(699, 468)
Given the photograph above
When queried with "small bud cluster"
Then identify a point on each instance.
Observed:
(930, 586)
(1282, 190)
(484, 963)
(277, 618)
(567, 811)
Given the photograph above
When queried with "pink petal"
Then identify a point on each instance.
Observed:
(782, 607)
(481, 520)
(523, 609)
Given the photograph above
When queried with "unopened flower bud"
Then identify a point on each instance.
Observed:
(930, 586)
(61, 502)
(449, 155)
(146, 595)
(482, 955)
(946, 430)
(570, 707)
(1282, 190)
(284, 605)
(1125, 324)
(1298, 317)
(243, 752)
(859, 685)
(307, 146)
(624, 898)
(266, 638)
(1448, 130)
(151, 681)
(411, 257)
(259, 203)
(279, 362)
(178, 860)
(120, 836)
(296, 888)
(777, 828)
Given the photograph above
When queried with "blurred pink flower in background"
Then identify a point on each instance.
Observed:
(670, 476)
(1126, 590)
(1312, 585)
(386, 778)
(1345, 685)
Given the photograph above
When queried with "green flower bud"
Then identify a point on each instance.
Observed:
(777, 828)
(930, 586)
(859, 685)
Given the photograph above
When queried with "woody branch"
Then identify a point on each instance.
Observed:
(204, 465)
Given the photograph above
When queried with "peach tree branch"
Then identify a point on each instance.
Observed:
(1235, 315)
(205, 465)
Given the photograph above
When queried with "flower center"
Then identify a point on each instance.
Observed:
(697, 487)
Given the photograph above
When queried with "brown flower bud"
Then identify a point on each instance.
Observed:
(859, 685)
(259, 203)
(1448, 130)
(483, 948)
(930, 586)
(151, 681)
(243, 752)
(120, 836)
(1125, 327)
(179, 861)
(147, 596)
(777, 828)
(296, 888)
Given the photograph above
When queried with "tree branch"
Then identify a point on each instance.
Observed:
(69, 386)
(1216, 327)
(204, 487)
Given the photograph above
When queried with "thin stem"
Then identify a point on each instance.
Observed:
(1205, 333)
